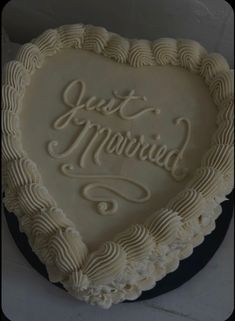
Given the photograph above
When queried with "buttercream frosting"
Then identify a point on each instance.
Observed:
(143, 253)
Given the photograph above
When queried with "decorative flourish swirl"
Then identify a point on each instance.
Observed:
(106, 206)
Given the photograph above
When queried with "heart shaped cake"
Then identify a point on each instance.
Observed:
(117, 154)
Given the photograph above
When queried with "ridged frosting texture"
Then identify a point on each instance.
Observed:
(31, 57)
(140, 53)
(137, 242)
(106, 263)
(144, 253)
(165, 51)
(212, 64)
(188, 204)
(117, 48)
(71, 36)
(163, 225)
(191, 54)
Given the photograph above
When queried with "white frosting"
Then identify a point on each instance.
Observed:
(213, 64)
(140, 53)
(107, 206)
(143, 253)
(165, 51)
(116, 104)
(117, 49)
(222, 86)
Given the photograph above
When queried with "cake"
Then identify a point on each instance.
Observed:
(117, 154)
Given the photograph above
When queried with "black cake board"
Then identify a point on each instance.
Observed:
(186, 270)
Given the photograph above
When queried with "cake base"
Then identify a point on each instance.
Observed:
(186, 270)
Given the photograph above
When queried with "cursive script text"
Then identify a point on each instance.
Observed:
(102, 139)
(116, 104)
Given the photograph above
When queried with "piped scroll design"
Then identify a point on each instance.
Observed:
(116, 104)
(104, 205)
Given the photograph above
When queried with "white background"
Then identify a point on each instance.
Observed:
(209, 295)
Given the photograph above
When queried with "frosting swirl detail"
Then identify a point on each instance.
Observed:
(221, 158)
(16, 76)
(163, 225)
(95, 38)
(207, 181)
(224, 135)
(165, 51)
(226, 111)
(48, 221)
(48, 42)
(71, 36)
(106, 263)
(67, 250)
(140, 54)
(30, 56)
(222, 86)
(34, 197)
(12, 148)
(10, 123)
(212, 64)
(188, 204)
(22, 172)
(11, 99)
(117, 49)
(190, 54)
(136, 242)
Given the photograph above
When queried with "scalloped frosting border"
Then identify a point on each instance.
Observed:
(144, 253)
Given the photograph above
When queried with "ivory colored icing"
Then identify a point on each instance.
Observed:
(184, 82)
